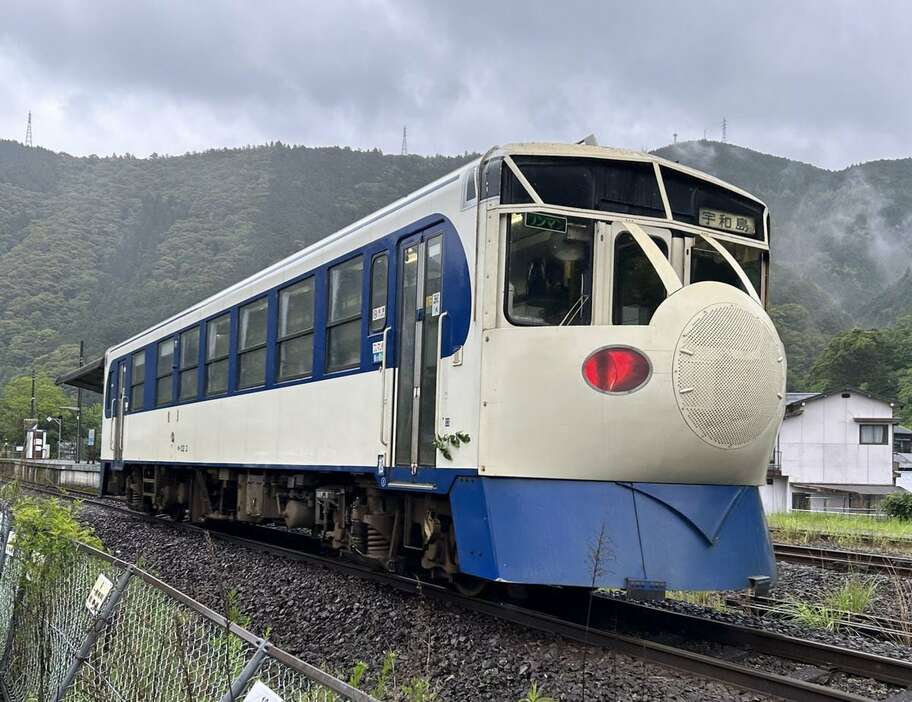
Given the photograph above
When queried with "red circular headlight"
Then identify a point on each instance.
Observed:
(616, 369)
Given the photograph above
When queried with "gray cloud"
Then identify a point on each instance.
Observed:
(819, 81)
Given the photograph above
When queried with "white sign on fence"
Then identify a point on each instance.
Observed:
(261, 693)
(10, 543)
(98, 594)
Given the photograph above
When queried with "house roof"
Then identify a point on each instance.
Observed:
(903, 460)
(850, 487)
(794, 400)
(900, 430)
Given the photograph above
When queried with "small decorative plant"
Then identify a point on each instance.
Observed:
(443, 442)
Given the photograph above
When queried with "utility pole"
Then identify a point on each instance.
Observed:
(404, 143)
(675, 135)
(34, 411)
(28, 136)
(724, 130)
(79, 404)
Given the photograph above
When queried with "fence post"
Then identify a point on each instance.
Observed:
(7, 516)
(240, 682)
(98, 625)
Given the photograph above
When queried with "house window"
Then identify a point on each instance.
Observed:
(873, 433)
(163, 369)
(296, 325)
(189, 360)
(252, 344)
(137, 381)
(344, 325)
(378, 293)
(218, 332)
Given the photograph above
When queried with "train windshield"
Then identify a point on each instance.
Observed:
(707, 264)
(549, 270)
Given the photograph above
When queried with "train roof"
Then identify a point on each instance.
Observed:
(581, 150)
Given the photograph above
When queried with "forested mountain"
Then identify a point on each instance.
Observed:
(100, 248)
(840, 241)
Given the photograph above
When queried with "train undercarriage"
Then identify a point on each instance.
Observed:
(346, 513)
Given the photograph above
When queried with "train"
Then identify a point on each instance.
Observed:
(552, 366)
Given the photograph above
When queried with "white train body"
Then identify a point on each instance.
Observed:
(609, 371)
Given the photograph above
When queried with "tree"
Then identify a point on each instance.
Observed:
(863, 358)
(15, 405)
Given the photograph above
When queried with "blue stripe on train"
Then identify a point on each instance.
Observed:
(693, 537)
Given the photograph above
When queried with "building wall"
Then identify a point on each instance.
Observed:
(821, 445)
(776, 497)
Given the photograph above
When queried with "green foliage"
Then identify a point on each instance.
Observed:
(845, 530)
(535, 695)
(443, 442)
(854, 595)
(15, 405)
(898, 505)
(46, 530)
(102, 248)
(862, 358)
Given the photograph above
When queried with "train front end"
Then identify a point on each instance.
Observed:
(632, 382)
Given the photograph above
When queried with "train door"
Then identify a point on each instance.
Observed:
(118, 411)
(420, 308)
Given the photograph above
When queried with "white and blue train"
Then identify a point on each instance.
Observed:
(552, 366)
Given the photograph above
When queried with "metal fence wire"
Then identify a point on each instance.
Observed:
(103, 629)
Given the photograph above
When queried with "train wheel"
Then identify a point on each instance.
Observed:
(469, 585)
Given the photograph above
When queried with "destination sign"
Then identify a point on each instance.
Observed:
(728, 221)
(551, 223)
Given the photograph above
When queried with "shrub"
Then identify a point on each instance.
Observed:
(899, 505)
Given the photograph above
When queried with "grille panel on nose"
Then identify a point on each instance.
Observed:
(728, 375)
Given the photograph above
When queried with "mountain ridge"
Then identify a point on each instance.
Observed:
(102, 247)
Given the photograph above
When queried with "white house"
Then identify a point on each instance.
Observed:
(834, 453)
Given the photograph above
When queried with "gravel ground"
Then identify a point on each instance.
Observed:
(335, 620)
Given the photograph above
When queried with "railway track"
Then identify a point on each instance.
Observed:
(867, 624)
(563, 613)
(843, 560)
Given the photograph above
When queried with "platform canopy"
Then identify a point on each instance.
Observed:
(89, 377)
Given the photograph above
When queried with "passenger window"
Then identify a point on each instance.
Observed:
(378, 293)
(218, 333)
(344, 326)
(137, 381)
(163, 369)
(189, 361)
(252, 344)
(112, 389)
(638, 289)
(296, 322)
(549, 270)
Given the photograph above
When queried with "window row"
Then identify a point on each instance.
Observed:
(178, 358)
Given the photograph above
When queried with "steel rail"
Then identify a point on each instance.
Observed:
(607, 614)
(840, 559)
(870, 624)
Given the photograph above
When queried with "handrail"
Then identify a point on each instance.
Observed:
(439, 359)
(383, 390)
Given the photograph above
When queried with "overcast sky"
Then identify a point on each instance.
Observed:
(826, 82)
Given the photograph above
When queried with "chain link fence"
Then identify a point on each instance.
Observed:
(101, 629)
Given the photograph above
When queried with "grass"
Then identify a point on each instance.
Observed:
(854, 596)
(847, 531)
(712, 600)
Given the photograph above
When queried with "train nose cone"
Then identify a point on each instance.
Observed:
(728, 374)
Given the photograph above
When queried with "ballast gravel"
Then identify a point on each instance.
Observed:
(333, 620)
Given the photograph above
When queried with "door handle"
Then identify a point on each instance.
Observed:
(440, 319)
(383, 389)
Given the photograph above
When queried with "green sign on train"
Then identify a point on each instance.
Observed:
(540, 220)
